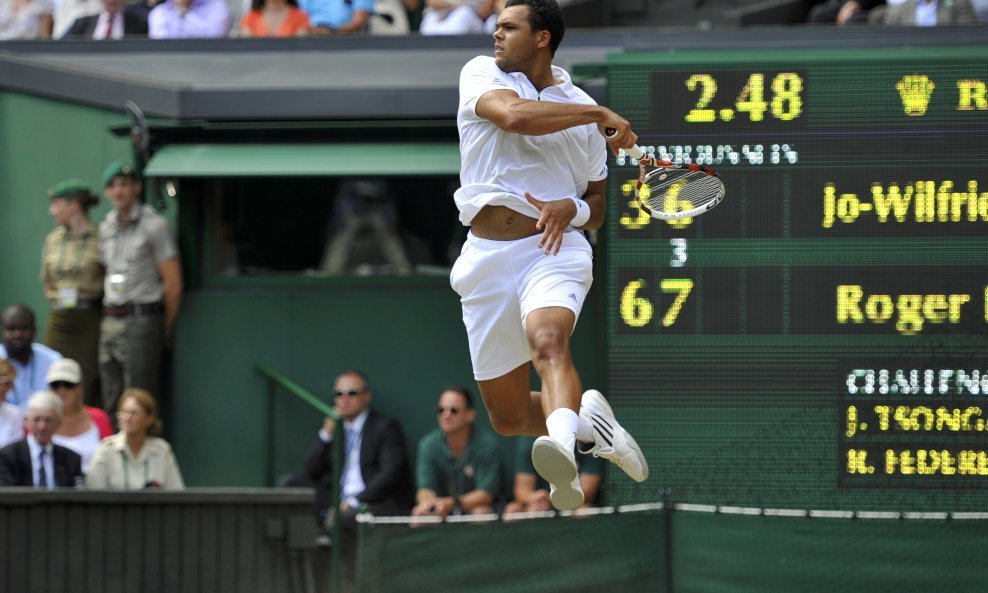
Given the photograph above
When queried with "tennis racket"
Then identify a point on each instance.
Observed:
(671, 192)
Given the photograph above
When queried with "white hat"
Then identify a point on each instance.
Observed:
(66, 370)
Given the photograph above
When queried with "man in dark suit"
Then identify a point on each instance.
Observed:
(375, 473)
(115, 20)
(35, 460)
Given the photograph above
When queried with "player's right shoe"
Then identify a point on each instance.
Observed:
(558, 467)
(611, 440)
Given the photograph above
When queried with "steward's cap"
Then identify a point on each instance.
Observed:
(118, 169)
(69, 188)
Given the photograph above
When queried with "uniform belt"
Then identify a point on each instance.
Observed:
(80, 304)
(133, 309)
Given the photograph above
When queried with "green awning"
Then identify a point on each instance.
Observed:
(298, 160)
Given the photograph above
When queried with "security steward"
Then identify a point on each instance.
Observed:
(72, 276)
(142, 291)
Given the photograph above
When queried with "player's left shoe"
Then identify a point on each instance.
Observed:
(558, 467)
(611, 440)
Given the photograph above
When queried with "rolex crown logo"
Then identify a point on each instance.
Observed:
(915, 91)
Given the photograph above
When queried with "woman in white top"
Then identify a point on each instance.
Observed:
(11, 418)
(132, 459)
(82, 427)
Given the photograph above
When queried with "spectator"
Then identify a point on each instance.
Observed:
(11, 418)
(843, 12)
(115, 20)
(187, 19)
(82, 427)
(35, 460)
(68, 11)
(375, 473)
(930, 13)
(980, 10)
(72, 276)
(133, 458)
(459, 467)
(30, 360)
(455, 17)
(142, 291)
(375, 476)
(329, 17)
(532, 492)
(274, 18)
(25, 19)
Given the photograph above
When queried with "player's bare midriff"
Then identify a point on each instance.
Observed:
(500, 223)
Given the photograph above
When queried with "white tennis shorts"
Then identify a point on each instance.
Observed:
(501, 282)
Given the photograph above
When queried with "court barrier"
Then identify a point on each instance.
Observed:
(198, 540)
(680, 549)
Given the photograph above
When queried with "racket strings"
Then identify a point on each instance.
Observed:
(679, 190)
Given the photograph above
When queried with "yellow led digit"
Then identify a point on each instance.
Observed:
(636, 311)
(752, 98)
(636, 218)
(708, 88)
(787, 102)
(681, 286)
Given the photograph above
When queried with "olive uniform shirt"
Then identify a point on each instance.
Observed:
(72, 262)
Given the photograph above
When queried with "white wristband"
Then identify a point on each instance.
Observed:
(582, 213)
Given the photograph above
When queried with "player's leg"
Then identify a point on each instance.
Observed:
(512, 407)
(554, 293)
(548, 330)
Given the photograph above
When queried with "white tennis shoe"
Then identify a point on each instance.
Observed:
(611, 441)
(558, 467)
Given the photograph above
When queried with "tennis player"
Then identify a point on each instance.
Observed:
(533, 172)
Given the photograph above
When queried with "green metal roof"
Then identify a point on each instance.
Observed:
(298, 160)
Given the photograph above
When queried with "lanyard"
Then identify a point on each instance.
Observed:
(60, 271)
(126, 470)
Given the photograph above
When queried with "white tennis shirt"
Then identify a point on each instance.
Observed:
(498, 167)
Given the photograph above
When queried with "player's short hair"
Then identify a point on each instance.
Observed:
(544, 15)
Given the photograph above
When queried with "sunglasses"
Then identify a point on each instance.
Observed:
(453, 411)
(62, 385)
(351, 393)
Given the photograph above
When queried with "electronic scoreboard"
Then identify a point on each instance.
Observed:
(817, 341)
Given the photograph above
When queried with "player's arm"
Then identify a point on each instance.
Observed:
(555, 216)
(505, 109)
(594, 197)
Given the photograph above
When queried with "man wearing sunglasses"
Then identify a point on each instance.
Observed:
(459, 468)
(375, 473)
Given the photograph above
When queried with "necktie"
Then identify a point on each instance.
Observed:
(350, 443)
(42, 472)
(109, 26)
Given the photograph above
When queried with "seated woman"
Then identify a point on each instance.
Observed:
(82, 427)
(133, 459)
(11, 418)
(25, 19)
(274, 18)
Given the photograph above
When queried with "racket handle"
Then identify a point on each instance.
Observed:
(634, 152)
